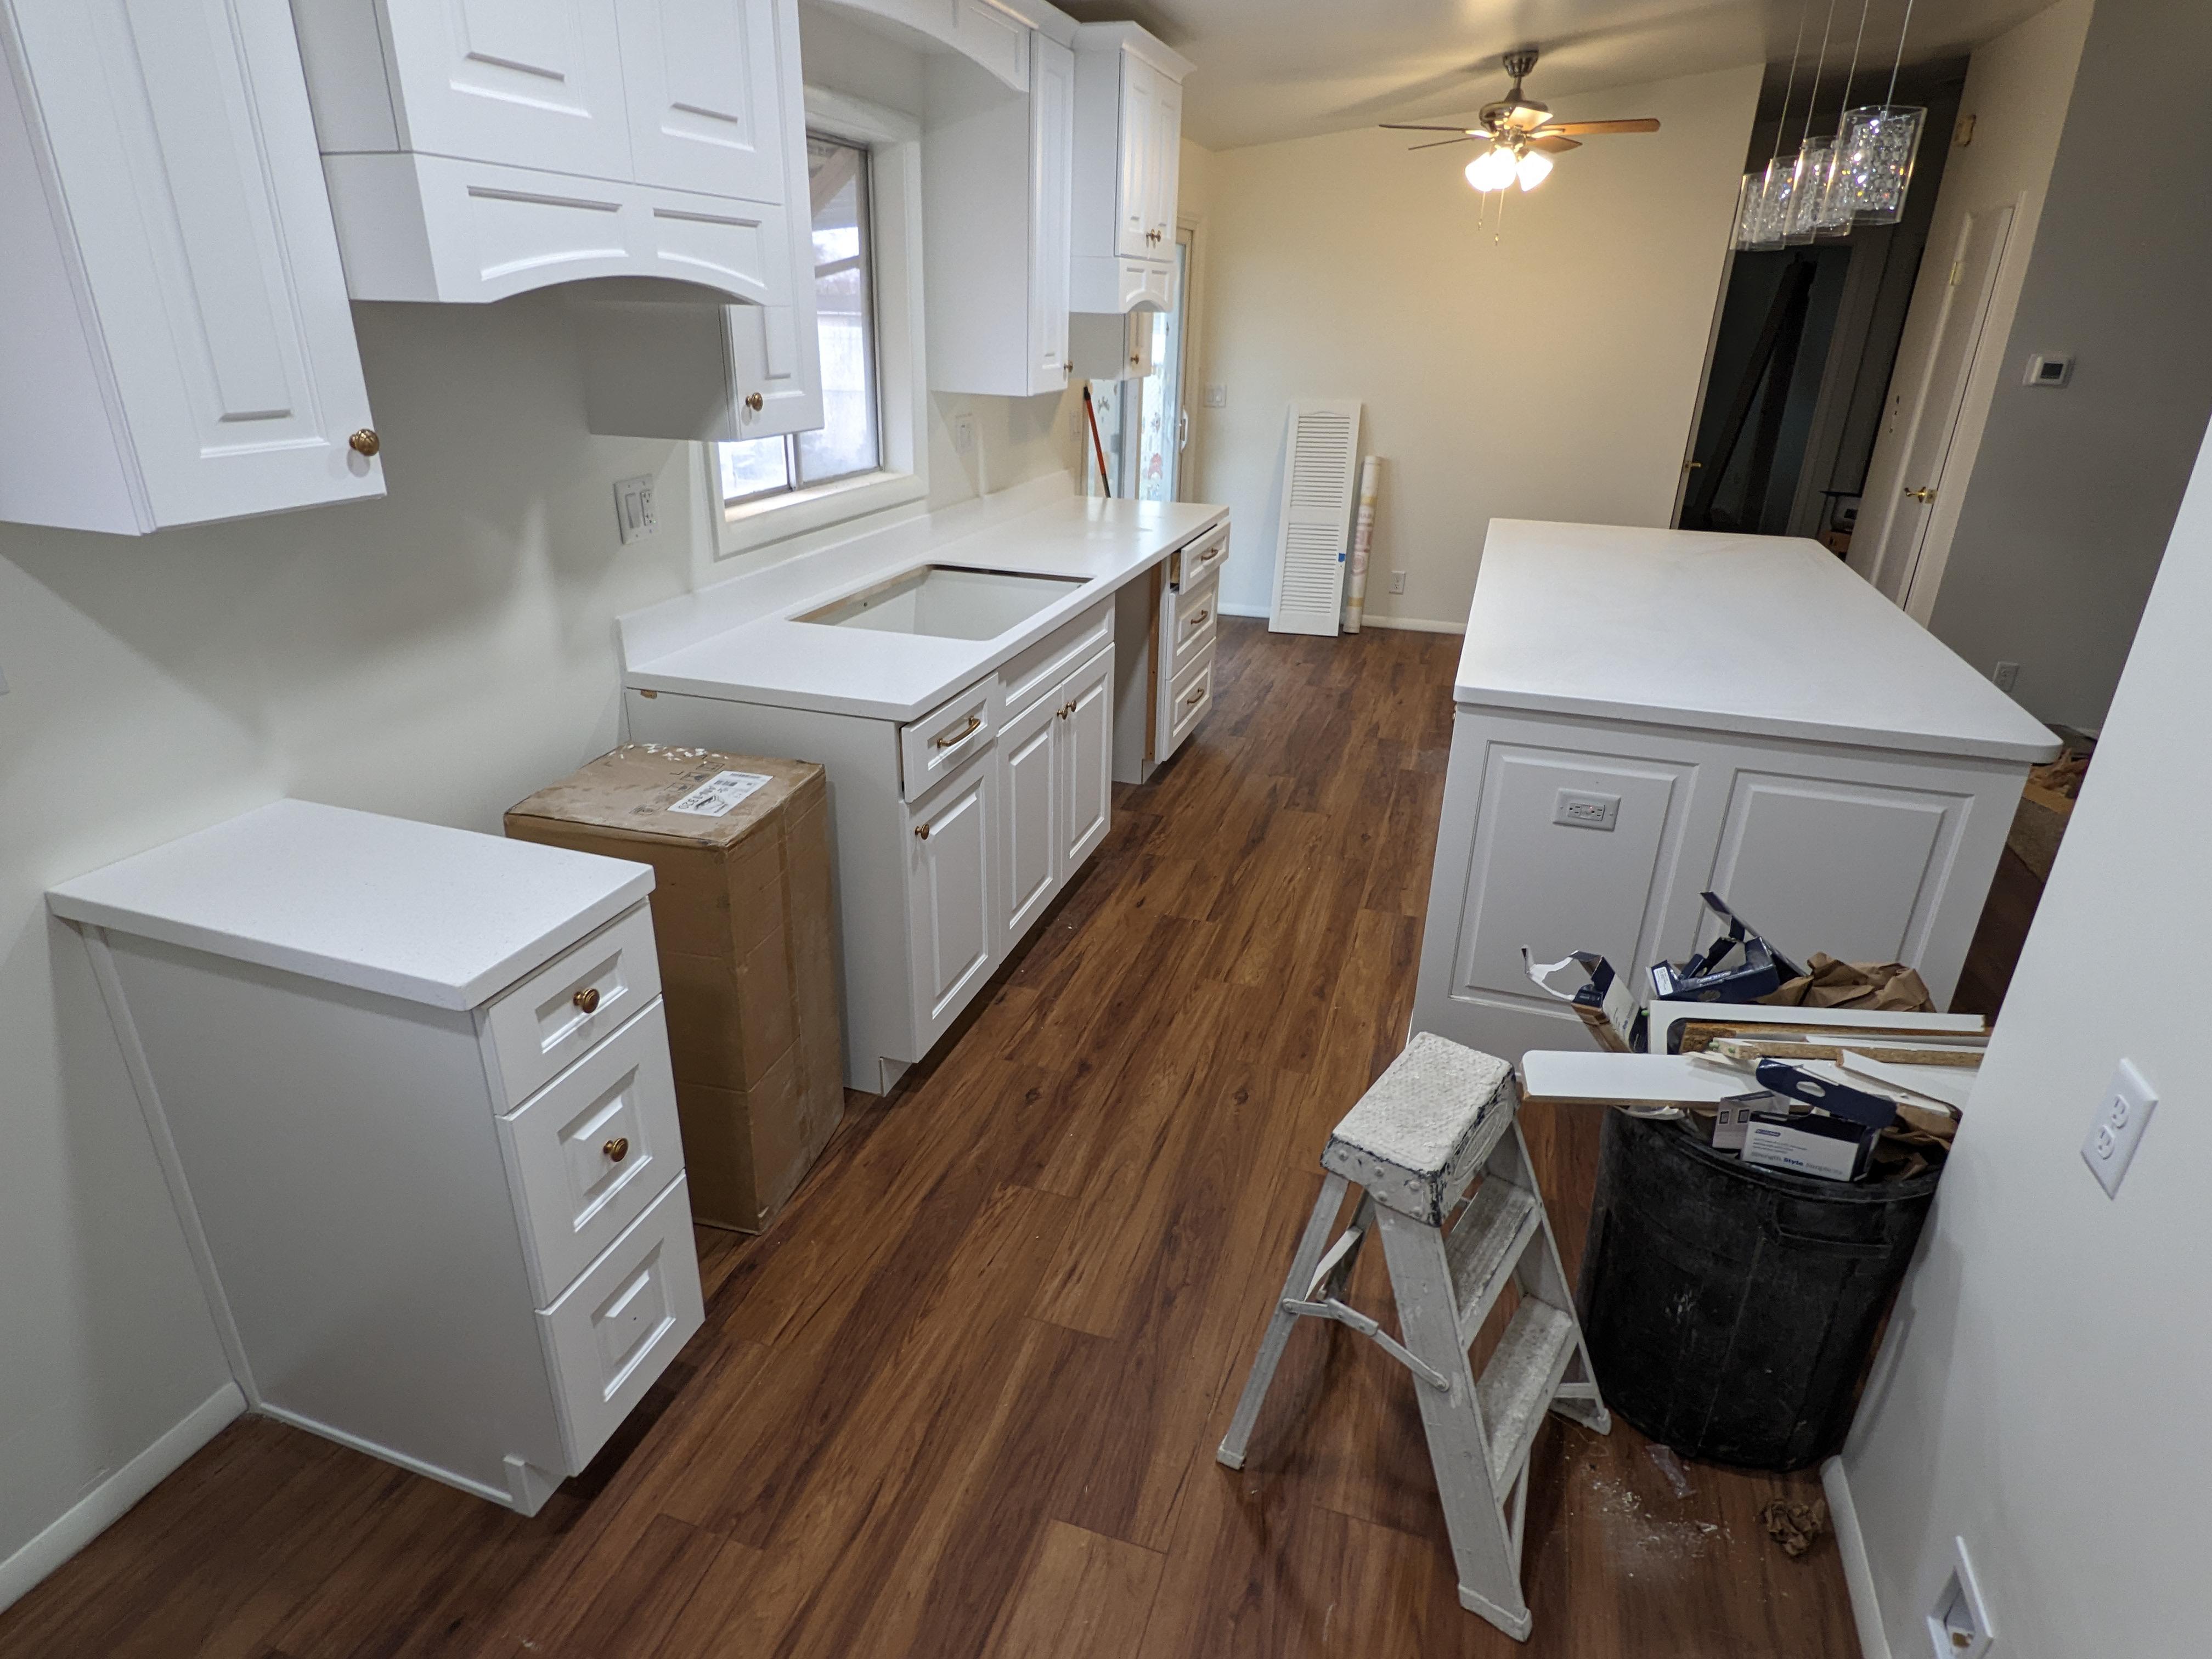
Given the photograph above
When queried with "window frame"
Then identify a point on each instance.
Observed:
(893, 142)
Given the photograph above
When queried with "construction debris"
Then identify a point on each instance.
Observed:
(1796, 1527)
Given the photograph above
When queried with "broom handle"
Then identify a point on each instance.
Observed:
(1091, 414)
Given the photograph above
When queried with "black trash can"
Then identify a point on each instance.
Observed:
(1729, 1309)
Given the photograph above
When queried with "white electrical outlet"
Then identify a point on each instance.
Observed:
(1959, 1625)
(1585, 809)
(964, 433)
(2007, 676)
(1216, 394)
(1397, 581)
(634, 508)
(2122, 1116)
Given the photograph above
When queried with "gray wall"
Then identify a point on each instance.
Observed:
(2074, 491)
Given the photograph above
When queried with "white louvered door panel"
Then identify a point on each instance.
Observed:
(1323, 454)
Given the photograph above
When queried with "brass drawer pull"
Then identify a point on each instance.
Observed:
(1199, 618)
(617, 1148)
(922, 832)
(1193, 696)
(962, 735)
(587, 998)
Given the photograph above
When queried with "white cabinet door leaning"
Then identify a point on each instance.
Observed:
(477, 148)
(1129, 154)
(1845, 781)
(174, 323)
(419, 1124)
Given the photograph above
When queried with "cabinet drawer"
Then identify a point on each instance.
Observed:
(1202, 558)
(1024, 678)
(592, 1149)
(942, 741)
(618, 1326)
(549, 1019)
(1187, 623)
(1188, 699)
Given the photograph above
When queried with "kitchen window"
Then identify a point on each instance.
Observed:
(864, 175)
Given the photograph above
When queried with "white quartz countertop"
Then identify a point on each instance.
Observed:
(415, 910)
(771, 659)
(1764, 634)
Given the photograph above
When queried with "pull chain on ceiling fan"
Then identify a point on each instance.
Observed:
(1521, 133)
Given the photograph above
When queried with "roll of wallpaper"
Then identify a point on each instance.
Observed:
(1363, 533)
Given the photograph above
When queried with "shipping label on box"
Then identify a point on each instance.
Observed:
(1831, 1148)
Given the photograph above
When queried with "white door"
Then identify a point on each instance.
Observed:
(1933, 413)
(531, 83)
(1086, 760)
(1313, 516)
(1136, 192)
(1166, 162)
(180, 133)
(1052, 163)
(950, 895)
(704, 92)
(1029, 806)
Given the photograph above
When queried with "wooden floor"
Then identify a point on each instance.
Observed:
(962, 1399)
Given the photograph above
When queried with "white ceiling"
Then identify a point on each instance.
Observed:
(1289, 69)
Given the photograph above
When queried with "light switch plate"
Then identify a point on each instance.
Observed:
(964, 433)
(1216, 394)
(634, 508)
(2122, 1116)
(1586, 809)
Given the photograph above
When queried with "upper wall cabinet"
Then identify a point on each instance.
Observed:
(175, 345)
(1128, 151)
(997, 174)
(477, 149)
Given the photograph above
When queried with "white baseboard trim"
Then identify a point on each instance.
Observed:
(499, 1495)
(1858, 1572)
(107, 1502)
(1418, 624)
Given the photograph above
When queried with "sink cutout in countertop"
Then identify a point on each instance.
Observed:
(949, 601)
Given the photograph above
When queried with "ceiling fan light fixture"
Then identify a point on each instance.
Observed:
(1533, 168)
(1492, 170)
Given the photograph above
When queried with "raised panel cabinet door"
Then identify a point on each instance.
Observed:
(533, 84)
(951, 858)
(1028, 793)
(1086, 760)
(1166, 165)
(703, 81)
(176, 134)
(1135, 191)
(1052, 224)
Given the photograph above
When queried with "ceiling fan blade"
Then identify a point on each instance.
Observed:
(1561, 129)
(1547, 140)
(1416, 126)
(1443, 143)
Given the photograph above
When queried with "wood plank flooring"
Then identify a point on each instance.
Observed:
(962, 1399)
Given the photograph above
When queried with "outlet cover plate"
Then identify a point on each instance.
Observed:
(1585, 809)
(634, 508)
(2122, 1114)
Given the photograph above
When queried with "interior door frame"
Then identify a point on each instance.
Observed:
(1190, 231)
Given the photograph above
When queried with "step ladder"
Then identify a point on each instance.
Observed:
(1435, 1146)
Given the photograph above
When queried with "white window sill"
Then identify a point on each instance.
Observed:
(753, 524)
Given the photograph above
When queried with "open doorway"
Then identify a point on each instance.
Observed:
(1144, 422)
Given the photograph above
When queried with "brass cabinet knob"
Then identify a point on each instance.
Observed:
(754, 402)
(922, 832)
(617, 1148)
(587, 998)
(365, 442)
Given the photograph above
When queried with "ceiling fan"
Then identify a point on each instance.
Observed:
(1521, 132)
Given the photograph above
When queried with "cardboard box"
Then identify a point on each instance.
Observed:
(742, 916)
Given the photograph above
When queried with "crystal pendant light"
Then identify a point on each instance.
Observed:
(1832, 207)
(1809, 167)
(1767, 220)
(1876, 146)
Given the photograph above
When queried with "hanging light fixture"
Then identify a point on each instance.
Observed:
(1831, 211)
(1876, 148)
(1492, 169)
(1765, 218)
(1534, 167)
(1807, 169)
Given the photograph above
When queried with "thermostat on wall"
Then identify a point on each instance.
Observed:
(2049, 371)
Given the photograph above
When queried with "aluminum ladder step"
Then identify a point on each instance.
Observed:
(1517, 1386)
(1484, 1246)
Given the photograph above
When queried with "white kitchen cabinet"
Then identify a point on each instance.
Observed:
(1128, 144)
(997, 182)
(1158, 709)
(175, 345)
(1055, 788)
(954, 868)
(479, 148)
(1085, 761)
(1733, 714)
(410, 1089)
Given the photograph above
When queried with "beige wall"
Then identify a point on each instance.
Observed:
(2016, 90)
(1549, 371)
(438, 654)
